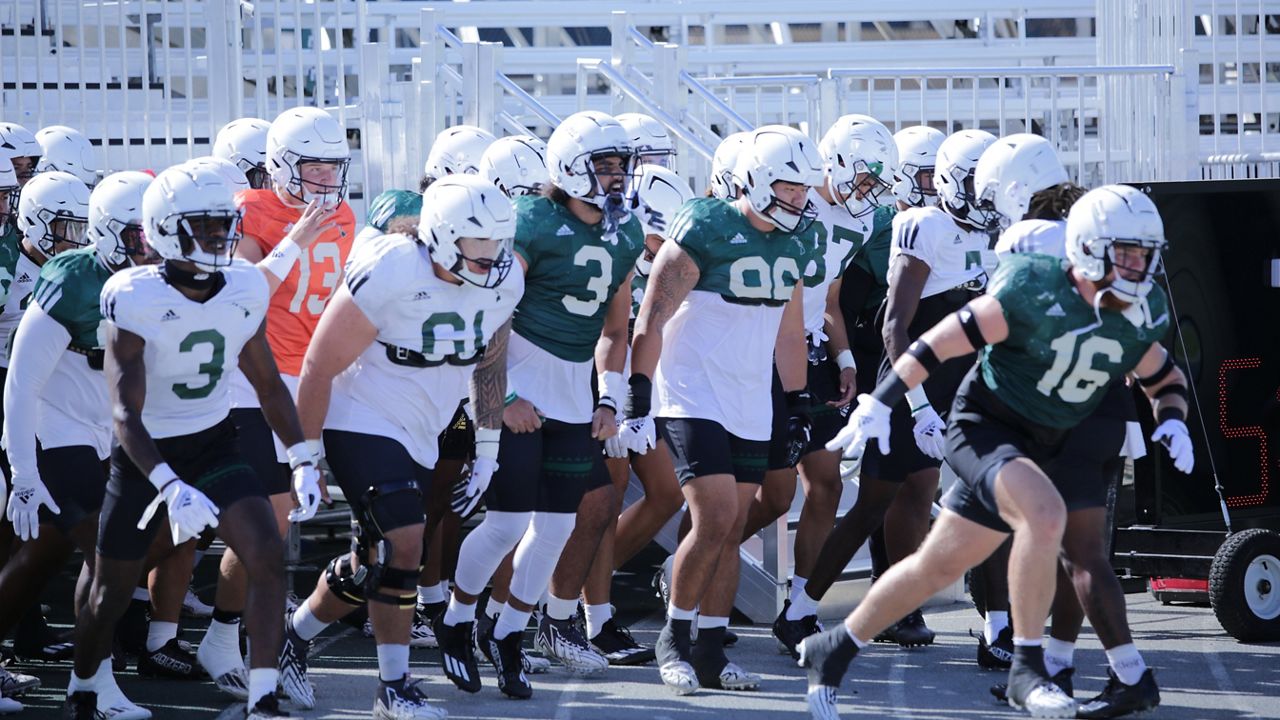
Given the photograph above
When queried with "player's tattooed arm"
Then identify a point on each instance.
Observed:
(489, 381)
(907, 279)
(674, 275)
(126, 375)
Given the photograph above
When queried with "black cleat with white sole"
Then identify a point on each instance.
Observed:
(1119, 699)
(457, 654)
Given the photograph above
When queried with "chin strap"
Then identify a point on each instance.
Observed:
(199, 280)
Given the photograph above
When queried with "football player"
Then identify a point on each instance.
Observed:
(727, 288)
(300, 232)
(58, 415)
(914, 183)
(577, 243)
(171, 330)
(651, 140)
(243, 143)
(65, 149)
(417, 318)
(22, 148)
(455, 150)
(1013, 416)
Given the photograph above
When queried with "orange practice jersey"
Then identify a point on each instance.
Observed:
(296, 305)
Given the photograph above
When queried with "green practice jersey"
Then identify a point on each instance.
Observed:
(738, 262)
(68, 290)
(1058, 360)
(572, 275)
(874, 255)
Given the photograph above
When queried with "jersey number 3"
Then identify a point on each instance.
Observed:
(1084, 380)
(597, 285)
(212, 368)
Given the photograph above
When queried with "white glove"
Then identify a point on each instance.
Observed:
(306, 486)
(616, 446)
(482, 471)
(868, 421)
(190, 511)
(29, 493)
(1172, 433)
(638, 434)
(930, 432)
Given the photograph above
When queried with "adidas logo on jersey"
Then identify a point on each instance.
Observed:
(1055, 311)
(24, 278)
(169, 315)
(564, 230)
(422, 295)
(242, 308)
(737, 240)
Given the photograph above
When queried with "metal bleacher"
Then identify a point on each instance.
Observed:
(1127, 90)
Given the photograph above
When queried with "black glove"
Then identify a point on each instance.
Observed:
(799, 427)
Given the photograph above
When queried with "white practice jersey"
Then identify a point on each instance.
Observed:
(956, 257)
(190, 346)
(392, 280)
(24, 280)
(559, 388)
(1047, 237)
(841, 235)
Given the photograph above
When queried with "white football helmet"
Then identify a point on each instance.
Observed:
(18, 142)
(649, 138)
(466, 220)
(724, 184)
(53, 209)
(115, 219)
(1013, 169)
(243, 142)
(779, 152)
(234, 176)
(1109, 216)
(189, 213)
(517, 164)
(859, 157)
(576, 142)
(917, 153)
(457, 150)
(953, 176)
(8, 192)
(68, 150)
(307, 135)
(659, 195)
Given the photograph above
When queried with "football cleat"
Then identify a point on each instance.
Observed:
(662, 582)
(1045, 700)
(617, 645)
(8, 706)
(822, 703)
(293, 668)
(33, 639)
(268, 708)
(674, 651)
(507, 659)
(999, 654)
(228, 673)
(908, 632)
(131, 629)
(789, 633)
(564, 640)
(15, 684)
(192, 606)
(457, 653)
(422, 636)
(111, 704)
(827, 656)
(1062, 680)
(679, 676)
(174, 660)
(403, 700)
(81, 705)
(1119, 699)
(534, 664)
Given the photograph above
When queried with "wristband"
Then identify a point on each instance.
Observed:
(798, 402)
(510, 399)
(640, 399)
(282, 258)
(299, 454)
(161, 475)
(612, 389)
(890, 390)
(1170, 413)
(487, 442)
(316, 448)
(916, 399)
(844, 359)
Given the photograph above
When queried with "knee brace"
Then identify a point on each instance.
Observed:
(391, 507)
(344, 582)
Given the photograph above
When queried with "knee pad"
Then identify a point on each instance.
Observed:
(393, 586)
(386, 508)
(346, 584)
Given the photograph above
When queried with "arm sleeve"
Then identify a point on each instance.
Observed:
(37, 347)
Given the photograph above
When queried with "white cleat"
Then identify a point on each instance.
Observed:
(680, 677)
(733, 677)
(226, 667)
(564, 641)
(1047, 700)
(822, 703)
(8, 706)
(14, 684)
(113, 705)
(192, 606)
(534, 664)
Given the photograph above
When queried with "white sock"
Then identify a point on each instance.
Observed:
(393, 662)
(159, 633)
(797, 586)
(262, 681)
(712, 621)
(860, 643)
(430, 595)
(597, 616)
(140, 593)
(560, 609)
(458, 613)
(1058, 655)
(444, 590)
(1127, 663)
(801, 606)
(77, 684)
(219, 651)
(1019, 641)
(997, 620)
(676, 613)
(306, 624)
(511, 620)
(493, 609)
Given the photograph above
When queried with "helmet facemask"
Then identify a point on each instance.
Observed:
(8, 214)
(610, 185)
(787, 216)
(914, 186)
(257, 175)
(864, 190)
(309, 190)
(208, 238)
(62, 229)
(483, 262)
(1129, 283)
